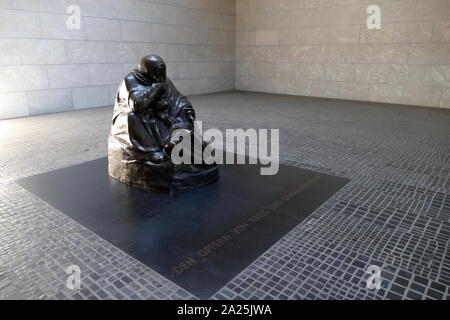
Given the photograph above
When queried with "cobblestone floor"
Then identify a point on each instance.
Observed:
(395, 212)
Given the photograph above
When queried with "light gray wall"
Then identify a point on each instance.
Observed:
(45, 67)
(305, 47)
(323, 48)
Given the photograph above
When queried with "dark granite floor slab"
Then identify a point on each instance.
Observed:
(199, 239)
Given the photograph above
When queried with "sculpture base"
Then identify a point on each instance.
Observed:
(161, 178)
(199, 239)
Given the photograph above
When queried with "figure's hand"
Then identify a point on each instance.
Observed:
(160, 87)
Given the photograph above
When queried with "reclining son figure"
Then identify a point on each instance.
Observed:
(147, 111)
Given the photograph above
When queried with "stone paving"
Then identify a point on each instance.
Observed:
(394, 214)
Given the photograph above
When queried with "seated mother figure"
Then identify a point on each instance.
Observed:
(147, 110)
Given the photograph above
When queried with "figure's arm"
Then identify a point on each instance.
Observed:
(143, 99)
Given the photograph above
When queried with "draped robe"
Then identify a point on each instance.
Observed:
(139, 125)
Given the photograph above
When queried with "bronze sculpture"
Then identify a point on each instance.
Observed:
(147, 111)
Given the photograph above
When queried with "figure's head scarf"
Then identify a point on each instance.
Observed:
(151, 69)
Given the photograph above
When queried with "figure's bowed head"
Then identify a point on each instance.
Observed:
(154, 68)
